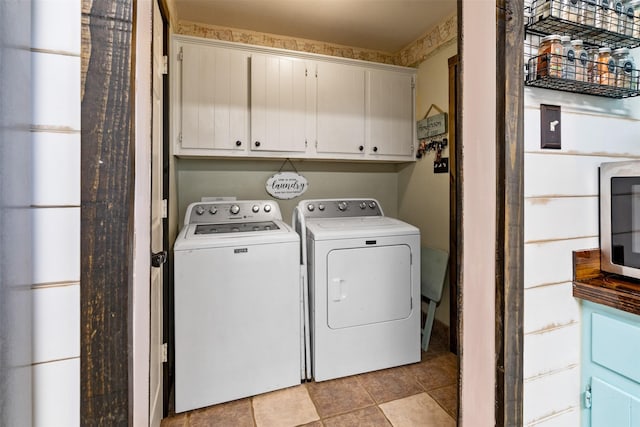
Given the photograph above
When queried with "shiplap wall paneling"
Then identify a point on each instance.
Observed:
(55, 126)
(561, 215)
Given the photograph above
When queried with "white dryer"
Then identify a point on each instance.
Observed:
(237, 303)
(363, 275)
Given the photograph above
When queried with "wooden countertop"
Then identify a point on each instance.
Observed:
(592, 284)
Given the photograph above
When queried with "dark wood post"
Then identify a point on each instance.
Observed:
(106, 212)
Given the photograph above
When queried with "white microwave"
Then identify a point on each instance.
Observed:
(620, 218)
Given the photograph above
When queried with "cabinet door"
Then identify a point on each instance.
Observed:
(612, 406)
(340, 109)
(278, 103)
(390, 114)
(214, 101)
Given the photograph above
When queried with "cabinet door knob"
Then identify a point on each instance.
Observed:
(238, 143)
(257, 143)
(361, 148)
(375, 149)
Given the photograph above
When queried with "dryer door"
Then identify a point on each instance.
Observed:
(368, 285)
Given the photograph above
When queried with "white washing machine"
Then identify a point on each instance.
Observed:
(363, 275)
(237, 303)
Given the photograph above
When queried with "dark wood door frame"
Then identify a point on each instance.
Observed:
(107, 211)
(509, 212)
(455, 205)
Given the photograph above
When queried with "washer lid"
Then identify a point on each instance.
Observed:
(341, 228)
(190, 238)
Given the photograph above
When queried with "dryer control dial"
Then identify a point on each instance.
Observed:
(342, 206)
(310, 207)
(321, 206)
(255, 208)
(213, 210)
(363, 205)
(372, 205)
(267, 208)
(234, 209)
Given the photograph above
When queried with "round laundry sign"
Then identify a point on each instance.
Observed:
(286, 185)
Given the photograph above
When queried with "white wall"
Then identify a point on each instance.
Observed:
(478, 141)
(245, 179)
(15, 214)
(423, 197)
(56, 215)
(561, 215)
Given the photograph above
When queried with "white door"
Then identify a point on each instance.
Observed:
(278, 103)
(341, 108)
(214, 98)
(390, 113)
(368, 285)
(155, 362)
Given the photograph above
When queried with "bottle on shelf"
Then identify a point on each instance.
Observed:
(588, 13)
(629, 14)
(570, 10)
(636, 18)
(617, 20)
(603, 14)
(549, 57)
(626, 73)
(546, 8)
(568, 59)
(605, 73)
(581, 61)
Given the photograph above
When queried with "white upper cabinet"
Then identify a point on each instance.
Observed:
(340, 109)
(213, 100)
(278, 104)
(233, 100)
(390, 114)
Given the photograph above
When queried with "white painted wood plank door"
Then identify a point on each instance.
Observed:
(278, 103)
(390, 113)
(341, 109)
(156, 338)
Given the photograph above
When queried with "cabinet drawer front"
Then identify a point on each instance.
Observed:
(616, 346)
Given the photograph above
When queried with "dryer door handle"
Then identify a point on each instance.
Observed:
(339, 290)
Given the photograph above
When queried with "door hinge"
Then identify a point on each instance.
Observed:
(180, 55)
(180, 138)
(164, 353)
(588, 399)
(165, 208)
(165, 64)
(306, 72)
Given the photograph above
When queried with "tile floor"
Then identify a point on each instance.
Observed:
(422, 394)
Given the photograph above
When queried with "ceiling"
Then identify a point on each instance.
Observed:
(384, 25)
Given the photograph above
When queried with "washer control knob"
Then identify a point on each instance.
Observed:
(199, 210)
(372, 205)
(255, 208)
(213, 210)
(267, 208)
(234, 209)
(321, 206)
(363, 205)
(342, 206)
(310, 207)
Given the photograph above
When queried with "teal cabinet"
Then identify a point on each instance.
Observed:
(610, 367)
